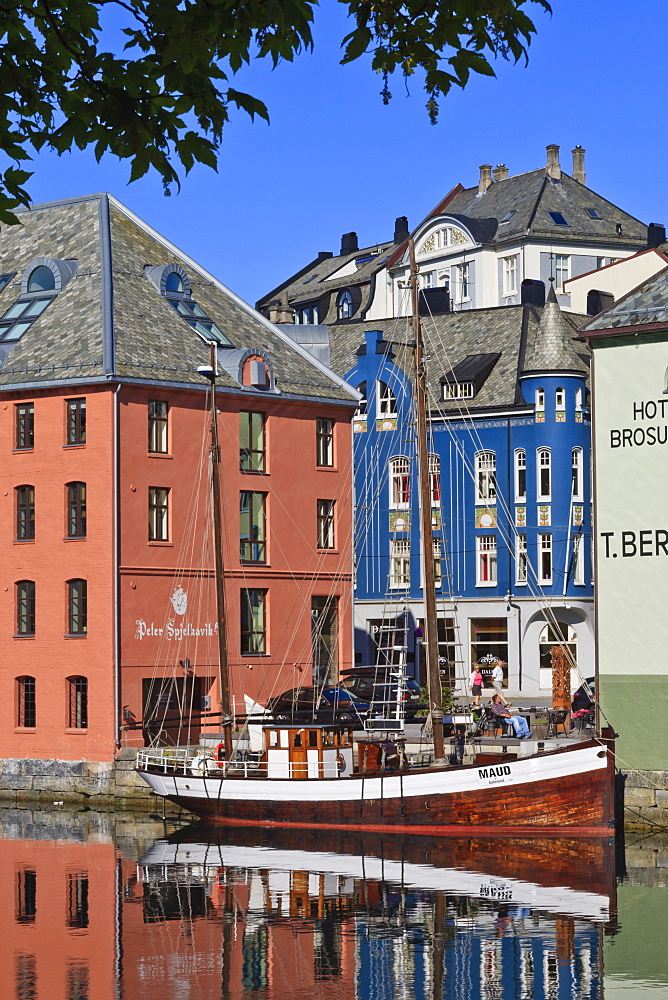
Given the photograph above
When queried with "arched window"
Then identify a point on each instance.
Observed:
(25, 513)
(77, 607)
(576, 465)
(174, 282)
(578, 400)
(435, 480)
(77, 702)
(42, 279)
(344, 305)
(544, 474)
(26, 713)
(560, 399)
(362, 405)
(76, 510)
(540, 399)
(485, 477)
(25, 607)
(387, 401)
(558, 634)
(400, 483)
(520, 475)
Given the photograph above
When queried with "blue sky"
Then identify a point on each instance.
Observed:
(334, 159)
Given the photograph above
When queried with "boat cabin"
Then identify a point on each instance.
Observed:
(307, 751)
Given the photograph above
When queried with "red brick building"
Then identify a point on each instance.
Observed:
(107, 616)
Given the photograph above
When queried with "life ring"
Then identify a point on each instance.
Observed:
(202, 765)
(219, 755)
(340, 762)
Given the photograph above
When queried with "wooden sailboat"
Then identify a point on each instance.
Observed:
(322, 776)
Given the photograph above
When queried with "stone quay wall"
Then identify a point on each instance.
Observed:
(642, 800)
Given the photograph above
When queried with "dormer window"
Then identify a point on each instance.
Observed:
(443, 239)
(344, 305)
(459, 390)
(41, 282)
(173, 283)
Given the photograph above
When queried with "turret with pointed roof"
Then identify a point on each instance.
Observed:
(553, 349)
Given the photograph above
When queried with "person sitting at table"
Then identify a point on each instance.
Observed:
(518, 722)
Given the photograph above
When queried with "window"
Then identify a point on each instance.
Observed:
(344, 305)
(41, 280)
(560, 399)
(362, 405)
(172, 282)
(251, 442)
(486, 560)
(25, 607)
(400, 483)
(325, 524)
(77, 607)
(485, 477)
(387, 401)
(545, 558)
(458, 390)
(520, 559)
(508, 216)
(489, 642)
(324, 441)
(558, 218)
(26, 714)
(540, 399)
(77, 900)
(25, 513)
(157, 426)
(76, 510)
(252, 527)
(25, 425)
(253, 621)
(510, 275)
(592, 213)
(576, 465)
(562, 271)
(77, 712)
(544, 470)
(26, 895)
(558, 634)
(76, 421)
(435, 480)
(438, 568)
(38, 290)
(578, 400)
(463, 272)
(520, 475)
(158, 514)
(400, 563)
(578, 560)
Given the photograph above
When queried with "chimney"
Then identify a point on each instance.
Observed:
(579, 174)
(401, 229)
(553, 168)
(348, 244)
(500, 172)
(656, 234)
(485, 177)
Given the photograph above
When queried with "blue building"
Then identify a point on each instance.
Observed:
(510, 491)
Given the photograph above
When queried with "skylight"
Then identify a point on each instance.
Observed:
(196, 317)
(558, 218)
(310, 278)
(41, 282)
(4, 281)
(507, 217)
(173, 283)
(592, 213)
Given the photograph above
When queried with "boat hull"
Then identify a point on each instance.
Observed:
(568, 792)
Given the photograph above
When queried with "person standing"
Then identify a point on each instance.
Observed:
(475, 685)
(497, 682)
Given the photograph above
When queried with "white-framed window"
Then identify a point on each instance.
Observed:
(400, 483)
(540, 399)
(362, 405)
(578, 560)
(578, 400)
(325, 532)
(485, 477)
(562, 270)
(464, 282)
(576, 478)
(400, 563)
(520, 560)
(485, 560)
(545, 558)
(387, 401)
(438, 569)
(427, 279)
(544, 474)
(435, 480)
(344, 305)
(510, 275)
(560, 399)
(458, 390)
(520, 475)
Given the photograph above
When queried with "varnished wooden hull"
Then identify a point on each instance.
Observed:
(565, 793)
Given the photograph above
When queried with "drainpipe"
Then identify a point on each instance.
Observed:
(518, 608)
(117, 543)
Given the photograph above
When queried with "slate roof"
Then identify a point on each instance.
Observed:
(644, 306)
(553, 348)
(510, 331)
(110, 321)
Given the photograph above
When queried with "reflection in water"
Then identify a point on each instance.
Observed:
(88, 914)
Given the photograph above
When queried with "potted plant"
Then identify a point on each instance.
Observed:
(581, 719)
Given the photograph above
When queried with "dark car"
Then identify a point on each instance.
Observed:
(378, 686)
(585, 694)
(328, 704)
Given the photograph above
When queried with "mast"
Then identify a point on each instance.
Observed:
(223, 669)
(426, 533)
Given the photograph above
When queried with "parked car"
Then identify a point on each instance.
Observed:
(308, 704)
(584, 696)
(377, 686)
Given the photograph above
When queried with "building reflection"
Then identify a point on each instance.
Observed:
(224, 920)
